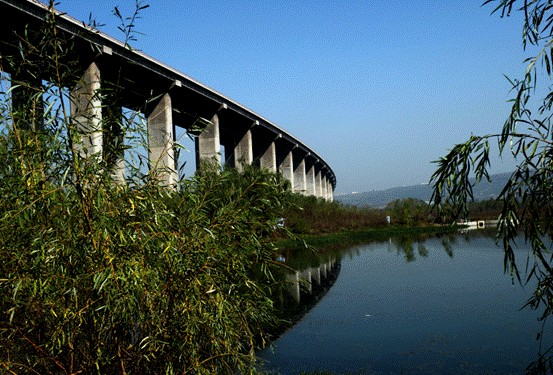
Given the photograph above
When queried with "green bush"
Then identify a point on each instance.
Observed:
(98, 277)
(408, 211)
(151, 281)
(311, 215)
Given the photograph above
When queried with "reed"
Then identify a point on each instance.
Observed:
(103, 277)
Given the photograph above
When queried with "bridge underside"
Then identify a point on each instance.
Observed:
(111, 76)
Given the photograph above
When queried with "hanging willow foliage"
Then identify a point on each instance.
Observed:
(527, 198)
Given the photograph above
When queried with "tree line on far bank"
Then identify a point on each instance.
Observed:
(309, 215)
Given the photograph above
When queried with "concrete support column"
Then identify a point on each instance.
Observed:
(160, 142)
(208, 144)
(86, 114)
(268, 159)
(243, 151)
(287, 169)
(318, 185)
(118, 171)
(324, 188)
(330, 192)
(299, 178)
(324, 269)
(310, 181)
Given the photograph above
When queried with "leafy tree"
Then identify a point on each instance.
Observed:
(408, 211)
(528, 134)
(485, 210)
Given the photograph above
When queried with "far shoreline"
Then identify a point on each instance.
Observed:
(329, 241)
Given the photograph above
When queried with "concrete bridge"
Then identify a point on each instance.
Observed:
(178, 101)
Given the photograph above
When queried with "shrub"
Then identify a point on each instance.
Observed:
(309, 214)
(104, 278)
(408, 211)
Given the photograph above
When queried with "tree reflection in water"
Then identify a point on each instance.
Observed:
(385, 304)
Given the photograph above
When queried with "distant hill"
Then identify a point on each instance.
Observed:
(380, 198)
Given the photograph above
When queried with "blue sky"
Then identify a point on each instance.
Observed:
(378, 88)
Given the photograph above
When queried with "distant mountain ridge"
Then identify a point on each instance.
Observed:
(380, 198)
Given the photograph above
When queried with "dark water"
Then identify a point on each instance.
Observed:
(407, 307)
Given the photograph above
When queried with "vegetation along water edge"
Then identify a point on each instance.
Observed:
(104, 277)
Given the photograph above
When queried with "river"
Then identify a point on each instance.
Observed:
(412, 306)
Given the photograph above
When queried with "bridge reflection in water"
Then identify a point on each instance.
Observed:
(416, 304)
(312, 281)
(305, 281)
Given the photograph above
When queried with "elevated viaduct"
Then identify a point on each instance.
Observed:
(173, 100)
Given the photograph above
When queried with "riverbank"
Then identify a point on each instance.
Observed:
(330, 241)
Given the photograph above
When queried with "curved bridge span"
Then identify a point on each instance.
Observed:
(174, 100)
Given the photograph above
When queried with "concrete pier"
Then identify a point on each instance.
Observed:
(310, 181)
(316, 275)
(208, 143)
(310, 280)
(324, 189)
(287, 169)
(268, 159)
(299, 178)
(318, 184)
(160, 142)
(324, 268)
(305, 278)
(293, 285)
(86, 114)
(329, 193)
(243, 153)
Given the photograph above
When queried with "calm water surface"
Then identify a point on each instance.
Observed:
(415, 307)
